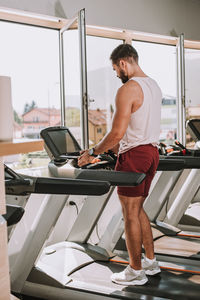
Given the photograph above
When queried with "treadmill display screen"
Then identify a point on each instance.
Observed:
(196, 124)
(63, 141)
(194, 128)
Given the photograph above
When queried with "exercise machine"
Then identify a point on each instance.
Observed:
(77, 254)
(75, 269)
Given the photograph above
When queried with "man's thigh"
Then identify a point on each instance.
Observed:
(138, 160)
(131, 206)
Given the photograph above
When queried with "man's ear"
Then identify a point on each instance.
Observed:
(122, 63)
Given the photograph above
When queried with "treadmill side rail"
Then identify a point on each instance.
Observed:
(115, 178)
(71, 186)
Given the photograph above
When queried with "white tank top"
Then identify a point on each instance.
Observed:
(144, 124)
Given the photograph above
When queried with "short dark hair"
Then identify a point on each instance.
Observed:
(124, 51)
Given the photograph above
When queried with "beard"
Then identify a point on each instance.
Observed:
(124, 78)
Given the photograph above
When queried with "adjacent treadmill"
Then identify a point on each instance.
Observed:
(74, 269)
(180, 248)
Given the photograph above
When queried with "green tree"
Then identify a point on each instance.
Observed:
(28, 107)
(72, 116)
(17, 118)
(111, 109)
(33, 104)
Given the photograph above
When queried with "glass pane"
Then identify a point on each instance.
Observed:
(30, 56)
(102, 86)
(72, 82)
(192, 71)
(159, 62)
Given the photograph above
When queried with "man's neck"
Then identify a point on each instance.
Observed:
(137, 72)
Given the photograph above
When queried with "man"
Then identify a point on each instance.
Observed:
(135, 132)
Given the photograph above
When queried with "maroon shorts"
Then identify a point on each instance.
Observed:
(141, 159)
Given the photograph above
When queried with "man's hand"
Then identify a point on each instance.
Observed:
(85, 158)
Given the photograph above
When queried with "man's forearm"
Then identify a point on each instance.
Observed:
(109, 141)
(115, 149)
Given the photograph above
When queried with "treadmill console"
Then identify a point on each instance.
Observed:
(193, 127)
(61, 146)
(60, 143)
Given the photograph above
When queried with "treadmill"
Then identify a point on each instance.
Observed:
(159, 196)
(190, 186)
(74, 269)
(167, 237)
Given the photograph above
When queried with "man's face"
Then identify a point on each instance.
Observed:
(121, 73)
(123, 76)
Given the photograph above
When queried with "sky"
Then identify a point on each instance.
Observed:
(30, 56)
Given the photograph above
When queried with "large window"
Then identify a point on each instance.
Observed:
(102, 86)
(192, 71)
(30, 56)
(159, 62)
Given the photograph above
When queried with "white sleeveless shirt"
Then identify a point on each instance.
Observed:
(144, 124)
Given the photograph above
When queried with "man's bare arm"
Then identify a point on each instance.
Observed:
(127, 97)
(115, 149)
(124, 102)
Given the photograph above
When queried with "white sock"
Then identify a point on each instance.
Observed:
(150, 260)
(137, 271)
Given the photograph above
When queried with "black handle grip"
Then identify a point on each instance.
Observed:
(115, 178)
(190, 162)
(70, 186)
(13, 214)
(167, 164)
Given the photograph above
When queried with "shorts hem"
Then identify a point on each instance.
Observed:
(131, 194)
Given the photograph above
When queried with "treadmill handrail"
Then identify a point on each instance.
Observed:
(166, 164)
(71, 186)
(190, 162)
(115, 178)
(58, 186)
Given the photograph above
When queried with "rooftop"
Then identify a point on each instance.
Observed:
(97, 117)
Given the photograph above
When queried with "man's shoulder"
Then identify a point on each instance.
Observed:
(130, 92)
(129, 86)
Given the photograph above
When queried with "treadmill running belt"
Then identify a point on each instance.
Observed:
(168, 284)
(181, 246)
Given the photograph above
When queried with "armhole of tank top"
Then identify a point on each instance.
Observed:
(143, 97)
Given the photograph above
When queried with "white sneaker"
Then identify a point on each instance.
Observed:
(150, 266)
(130, 277)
